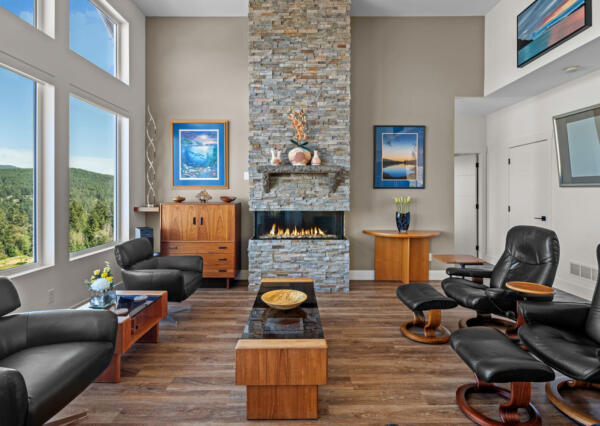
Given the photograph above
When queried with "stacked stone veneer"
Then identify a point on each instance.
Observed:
(299, 55)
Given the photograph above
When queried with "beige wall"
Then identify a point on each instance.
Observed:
(197, 69)
(404, 71)
(408, 71)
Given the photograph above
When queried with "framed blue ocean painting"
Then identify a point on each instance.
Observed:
(200, 154)
(546, 24)
(399, 157)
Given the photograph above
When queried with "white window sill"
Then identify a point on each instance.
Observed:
(19, 271)
(91, 251)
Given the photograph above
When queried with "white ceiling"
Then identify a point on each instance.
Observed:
(359, 7)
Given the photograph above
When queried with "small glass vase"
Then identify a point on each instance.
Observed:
(102, 299)
(402, 221)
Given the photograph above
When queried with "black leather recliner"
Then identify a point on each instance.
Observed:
(566, 336)
(179, 276)
(48, 358)
(531, 254)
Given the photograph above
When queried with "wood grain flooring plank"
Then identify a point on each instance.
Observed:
(376, 376)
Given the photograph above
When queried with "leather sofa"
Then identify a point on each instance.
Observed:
(48, 358)
(531, 254)
(566, 336)
(179, 276)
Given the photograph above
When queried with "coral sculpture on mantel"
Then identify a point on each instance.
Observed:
(299, 156)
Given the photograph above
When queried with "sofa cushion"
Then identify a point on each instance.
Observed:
(573, 354)
(9, 298)
(132, 252)
(56, 374)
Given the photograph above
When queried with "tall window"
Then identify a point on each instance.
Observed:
(93, 35)
(24, 9)
(92, 162)
(17, 169)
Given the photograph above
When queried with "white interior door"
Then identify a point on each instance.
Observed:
(465, 204)
(529, 184)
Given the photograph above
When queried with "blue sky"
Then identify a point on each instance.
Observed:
(92, 130)
(22, 8)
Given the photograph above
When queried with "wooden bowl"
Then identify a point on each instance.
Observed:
(228, 199)
(284, 299)
(179, 199)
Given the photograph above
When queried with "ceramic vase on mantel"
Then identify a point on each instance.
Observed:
(316, 160)
(299, 156)
(275, 158)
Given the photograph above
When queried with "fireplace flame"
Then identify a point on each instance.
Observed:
(295, 232)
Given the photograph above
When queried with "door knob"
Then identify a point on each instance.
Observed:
(542, 218)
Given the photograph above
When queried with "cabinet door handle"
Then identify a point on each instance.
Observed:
(222, 248)
(202, 221)
(222, 260)
(194, 221)
(222, 270)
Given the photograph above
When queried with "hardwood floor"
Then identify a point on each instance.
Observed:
(376, 376)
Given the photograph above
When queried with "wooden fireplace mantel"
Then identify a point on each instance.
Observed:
(267, 171)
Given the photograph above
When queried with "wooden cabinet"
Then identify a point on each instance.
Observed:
(210, 230)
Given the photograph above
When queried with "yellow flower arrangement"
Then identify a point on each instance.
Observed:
(101, 274)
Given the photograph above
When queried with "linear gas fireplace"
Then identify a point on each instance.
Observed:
(301, 225)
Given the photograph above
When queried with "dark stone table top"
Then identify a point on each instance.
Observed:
(302, 322)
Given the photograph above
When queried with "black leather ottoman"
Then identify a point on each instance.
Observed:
(421, 297)
(494, 358)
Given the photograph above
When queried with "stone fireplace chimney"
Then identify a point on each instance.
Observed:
(299, 56)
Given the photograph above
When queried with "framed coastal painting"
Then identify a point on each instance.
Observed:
(200, 154)
(399, 157)
(546, 24)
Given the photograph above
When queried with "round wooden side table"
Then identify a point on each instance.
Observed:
(525, 289)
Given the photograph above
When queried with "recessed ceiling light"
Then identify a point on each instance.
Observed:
(572, 69)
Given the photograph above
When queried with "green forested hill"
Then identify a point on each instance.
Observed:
(90, 208)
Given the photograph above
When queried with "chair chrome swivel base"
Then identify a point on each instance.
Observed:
(174, 309)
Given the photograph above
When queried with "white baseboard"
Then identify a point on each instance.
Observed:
(362, 275)
(577, 288)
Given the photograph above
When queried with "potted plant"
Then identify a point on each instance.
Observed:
(299, 156)
(402, 213)
(101, 285)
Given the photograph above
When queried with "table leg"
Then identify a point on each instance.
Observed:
(151, 335)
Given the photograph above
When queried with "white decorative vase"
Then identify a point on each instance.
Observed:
(299, 157)
(316, 161)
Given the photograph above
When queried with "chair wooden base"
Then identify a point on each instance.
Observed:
(69, 420)
(519, 397)
(553, 394)
(485, 320)
(433, 332)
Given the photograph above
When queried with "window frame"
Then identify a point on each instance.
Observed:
(121, 51)
(43, 176)
(117, 199)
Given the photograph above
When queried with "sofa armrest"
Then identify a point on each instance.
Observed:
(14, 399)
(570, 316)
(169, 280)
(470, 272)
(70, 325)
(182, 263)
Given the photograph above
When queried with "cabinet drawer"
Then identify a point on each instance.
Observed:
(216, 272)
(221, 261)
(179, 248)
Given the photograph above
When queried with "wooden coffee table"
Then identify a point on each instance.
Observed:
(141, 327)
(282, 356)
